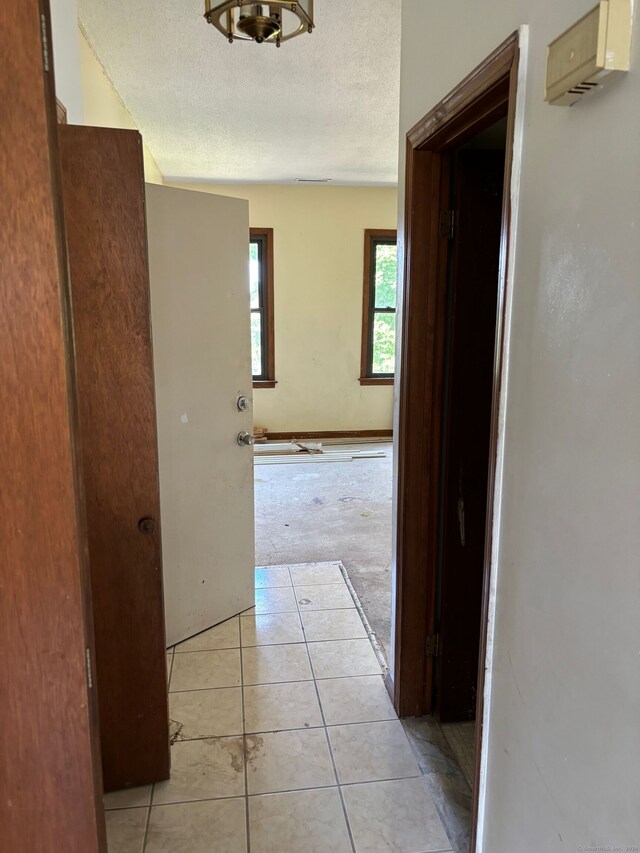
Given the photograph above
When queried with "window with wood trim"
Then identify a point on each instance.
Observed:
(379, 308)
(262, 327)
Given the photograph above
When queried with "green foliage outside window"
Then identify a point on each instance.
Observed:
(384, 322)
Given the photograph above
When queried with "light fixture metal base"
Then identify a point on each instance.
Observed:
(273, 22)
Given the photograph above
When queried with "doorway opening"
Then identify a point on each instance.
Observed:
(457, 217)
(323, 357)
(333, 503)
(477, 176)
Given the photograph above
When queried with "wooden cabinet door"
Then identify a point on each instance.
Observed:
(103, 189)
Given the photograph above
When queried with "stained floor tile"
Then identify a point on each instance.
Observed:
(286, 726)
(371, 752)
(125, 830)
(271, 664)
(203, 770)
(337, 658)
(226, 635)
(198, 827)
(270, 629)
(274, 707)
(206, 713)
(355, 700)
(285, 761)
(394, 816)
(332, 596)
(206, 670)
(333, 625)
(312, 821)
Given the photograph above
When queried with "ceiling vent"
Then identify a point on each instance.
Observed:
(590, 54)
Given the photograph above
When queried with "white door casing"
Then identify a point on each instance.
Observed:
(199, 274)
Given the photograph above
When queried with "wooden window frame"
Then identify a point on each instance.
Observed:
(372, 236)
(268, 377)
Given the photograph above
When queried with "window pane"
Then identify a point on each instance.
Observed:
(384, 343)
(256, 344)
(254, 274)
(386, 275)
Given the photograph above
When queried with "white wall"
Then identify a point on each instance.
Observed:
(564, 733)
(103, 106)
(66, 57)
(81, 83)
(318, 235)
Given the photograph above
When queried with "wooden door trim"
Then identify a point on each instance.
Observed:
(486, 94)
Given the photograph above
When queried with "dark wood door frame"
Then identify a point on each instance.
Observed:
(483, 97)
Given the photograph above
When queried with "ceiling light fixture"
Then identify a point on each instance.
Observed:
(274, 22)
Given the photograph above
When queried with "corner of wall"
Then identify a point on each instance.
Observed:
(103, 106)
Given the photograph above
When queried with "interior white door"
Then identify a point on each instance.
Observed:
(199, 273)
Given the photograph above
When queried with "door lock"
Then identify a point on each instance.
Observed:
(146, 525)
(245, 438)
(243, 404)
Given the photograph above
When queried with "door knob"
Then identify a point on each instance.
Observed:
(245, 438)
(146, 525)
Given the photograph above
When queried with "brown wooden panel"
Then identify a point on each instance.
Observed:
(478, 187)
(104, 208)
(49, 768)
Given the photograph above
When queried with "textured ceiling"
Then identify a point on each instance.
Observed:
(324, 105)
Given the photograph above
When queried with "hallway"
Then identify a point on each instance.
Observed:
(283, 737)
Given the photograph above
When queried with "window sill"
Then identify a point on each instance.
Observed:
(264, 383)
(376, 380)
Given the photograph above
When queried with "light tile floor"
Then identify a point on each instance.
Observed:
(284, 739)
(462, 740)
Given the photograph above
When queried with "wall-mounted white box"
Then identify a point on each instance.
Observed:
(594, 51)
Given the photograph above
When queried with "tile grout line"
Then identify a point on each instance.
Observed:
(274, 793)
(153, 786)
(324, 726)
(148, 820)
(331, 755)
(290, 643)
(288, 681)
(244, 745)
(277, 731)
